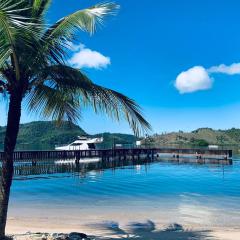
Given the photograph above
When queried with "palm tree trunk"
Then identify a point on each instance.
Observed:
(14, 115)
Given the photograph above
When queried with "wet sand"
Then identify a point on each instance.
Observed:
(117, 225)
(123, 231)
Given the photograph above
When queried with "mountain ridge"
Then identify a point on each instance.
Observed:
(45, 135)
(198, 137)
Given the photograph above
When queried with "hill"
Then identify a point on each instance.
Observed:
(46, 134)
(200, 137)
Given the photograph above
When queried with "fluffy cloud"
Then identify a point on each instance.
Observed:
(198, 78)
(230, 70)
(194, 79)
(86, 58)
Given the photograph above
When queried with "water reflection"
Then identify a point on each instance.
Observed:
(24, 169)
(164, 191)
(81, 169)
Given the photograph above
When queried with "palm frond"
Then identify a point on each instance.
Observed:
(13, 28)
(57, 90)
(119, 106)
(57, 104)
(85, 20)
(39, 7)
(8, 32)
(5, 54)
(102, 100)
(56, 39)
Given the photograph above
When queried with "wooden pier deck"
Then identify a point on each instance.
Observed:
(123, 153)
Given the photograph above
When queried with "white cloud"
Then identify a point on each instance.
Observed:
(86, 58)
(230, 70)
(198, 78)
(194, 79)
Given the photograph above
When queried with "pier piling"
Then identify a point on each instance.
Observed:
(125, 153)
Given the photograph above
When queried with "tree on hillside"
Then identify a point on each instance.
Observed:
(34, 69)
(221, 140)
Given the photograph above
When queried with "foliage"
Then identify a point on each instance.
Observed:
(34, 63)
(234, 133)
(199, 142)
(199, 137)
(45, 135)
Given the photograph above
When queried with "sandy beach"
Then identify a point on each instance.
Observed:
(129, 203)
(119, 226)
(113, 230)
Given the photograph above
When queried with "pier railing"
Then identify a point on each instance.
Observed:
(121, 153)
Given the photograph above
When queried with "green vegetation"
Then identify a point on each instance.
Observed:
(198, 142)
(234, 134)
(45, 135)
(201, 137)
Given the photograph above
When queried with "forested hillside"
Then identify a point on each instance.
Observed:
(200, 137)
(46, 134)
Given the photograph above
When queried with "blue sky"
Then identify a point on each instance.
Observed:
(147, 46)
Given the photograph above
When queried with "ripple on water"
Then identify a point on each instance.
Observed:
(191, 192)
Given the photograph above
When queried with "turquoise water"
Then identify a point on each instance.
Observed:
(193, 193)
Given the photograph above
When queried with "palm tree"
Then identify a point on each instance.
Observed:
(34, 70)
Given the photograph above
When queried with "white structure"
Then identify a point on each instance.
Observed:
(213, 147)
(84, 160)
(138, 143)
(83, 143)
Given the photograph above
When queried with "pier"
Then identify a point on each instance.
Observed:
(122, 153)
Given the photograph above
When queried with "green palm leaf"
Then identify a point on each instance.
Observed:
(56, 39)
(85, 20)
(102, 100)
(39, 7)
(55, 103)
(52, 88)
(14, 28)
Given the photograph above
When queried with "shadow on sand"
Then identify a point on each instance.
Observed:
(148, 231)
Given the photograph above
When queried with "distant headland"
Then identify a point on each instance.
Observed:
(46, 134)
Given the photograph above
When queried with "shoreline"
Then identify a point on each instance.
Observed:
(119, 227)
(144, 230)
(116, 222)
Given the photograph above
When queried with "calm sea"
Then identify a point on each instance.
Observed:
(162, 191)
